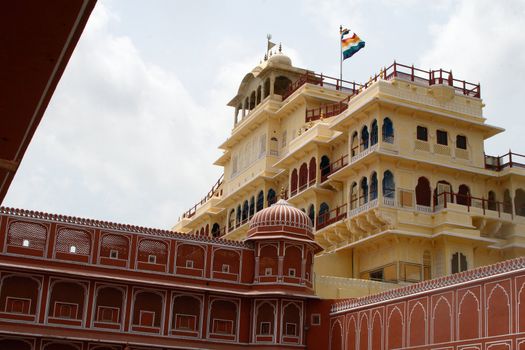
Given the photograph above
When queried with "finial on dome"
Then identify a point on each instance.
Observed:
(283, 193)
(280, 48)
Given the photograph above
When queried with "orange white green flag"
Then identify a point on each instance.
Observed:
(350, 43)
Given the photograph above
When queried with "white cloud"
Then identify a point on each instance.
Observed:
(483, 41)
(122, 139)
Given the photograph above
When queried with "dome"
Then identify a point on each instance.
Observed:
(281, 219)
(280, 58)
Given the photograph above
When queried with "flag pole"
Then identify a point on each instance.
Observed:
(340, 56)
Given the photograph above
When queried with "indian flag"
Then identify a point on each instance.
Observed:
(350, 43)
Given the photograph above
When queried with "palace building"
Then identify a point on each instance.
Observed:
(349, 216)
(391, 172)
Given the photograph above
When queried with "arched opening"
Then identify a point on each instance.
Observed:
(252, 206)
(66, 301)
(293, 257)
(238, 215)
(223, 317)
(268, 260)
(324, 209)
(272, 197)
(293, 182)
(231, 219)
(216, 230)
(252, 100)
(312, 171)
(246, 106)
(389, 185)
(28, 235)
(186, 316)
(281, 85)
(292, 320)
(19, 295)
(260, 201)
(463, 196)
(354, 195)
(311, 213)
(303, 176)
(354, 144)
(17, 344)
(423, 192)
(245, 211)
(364, 138)
(147, 310)
(388, 131)
(458, 262)
(374, 133)
(373, 186)
(443, 193)
(109, 301)
(207, 230)
(71, 241)
(265, 324)
(363, 195)
(492, 202)
(325, 166)
(507, 202)
(115, 247)
(267, 87)
(519, 202)
(258, 95)
(427, 265)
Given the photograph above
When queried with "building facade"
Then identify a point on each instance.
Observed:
(391, 172)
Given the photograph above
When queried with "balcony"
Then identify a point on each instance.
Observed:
(333, 216)
(323, 81)
(509, 160)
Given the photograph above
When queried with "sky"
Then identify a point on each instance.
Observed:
(132, 130)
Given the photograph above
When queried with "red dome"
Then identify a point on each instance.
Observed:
(281, 219)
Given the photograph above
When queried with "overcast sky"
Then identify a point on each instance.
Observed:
(132, 130)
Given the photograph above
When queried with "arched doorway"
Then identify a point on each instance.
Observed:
(519, 202)
(423, 192)
(463, 196)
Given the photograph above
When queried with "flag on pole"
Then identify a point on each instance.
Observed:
(350, 43)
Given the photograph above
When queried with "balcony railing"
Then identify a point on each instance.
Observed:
(333, 167)
(211, 193)
(509, 160)
(321, 80)
(327, 111)
(442, 200)
(331, 217)
(302, 187)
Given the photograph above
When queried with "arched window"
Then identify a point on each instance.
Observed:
(19, 294)
(443, 191)
(303, 176)
(423, 192)
(216, 230)
(258, 95)
(293, 182)
(388, 131)
(292, 321)
(364, 137)
(492, 203)
(374, 133)
(252, 100)
(281, 85)
(389, 185)
(147, 310)
(459, 262)
(354, 195)
(324, 209)
(311, 213)
(231, 219)
(354, 144)
(267, 87)
(260, 201)
(325, 166)
(109, 301)
(463, 196)
(312, 171)
(272, 197)
(364, 191)
(245, 211)
(238, 216)
(373, 186)
(507, 202)
(519, 202)
(186, 313)
(427, 262)
(252, 206)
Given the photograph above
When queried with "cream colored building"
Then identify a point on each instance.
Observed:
(392, 173)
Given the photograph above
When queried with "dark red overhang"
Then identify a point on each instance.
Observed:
(37, 39)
